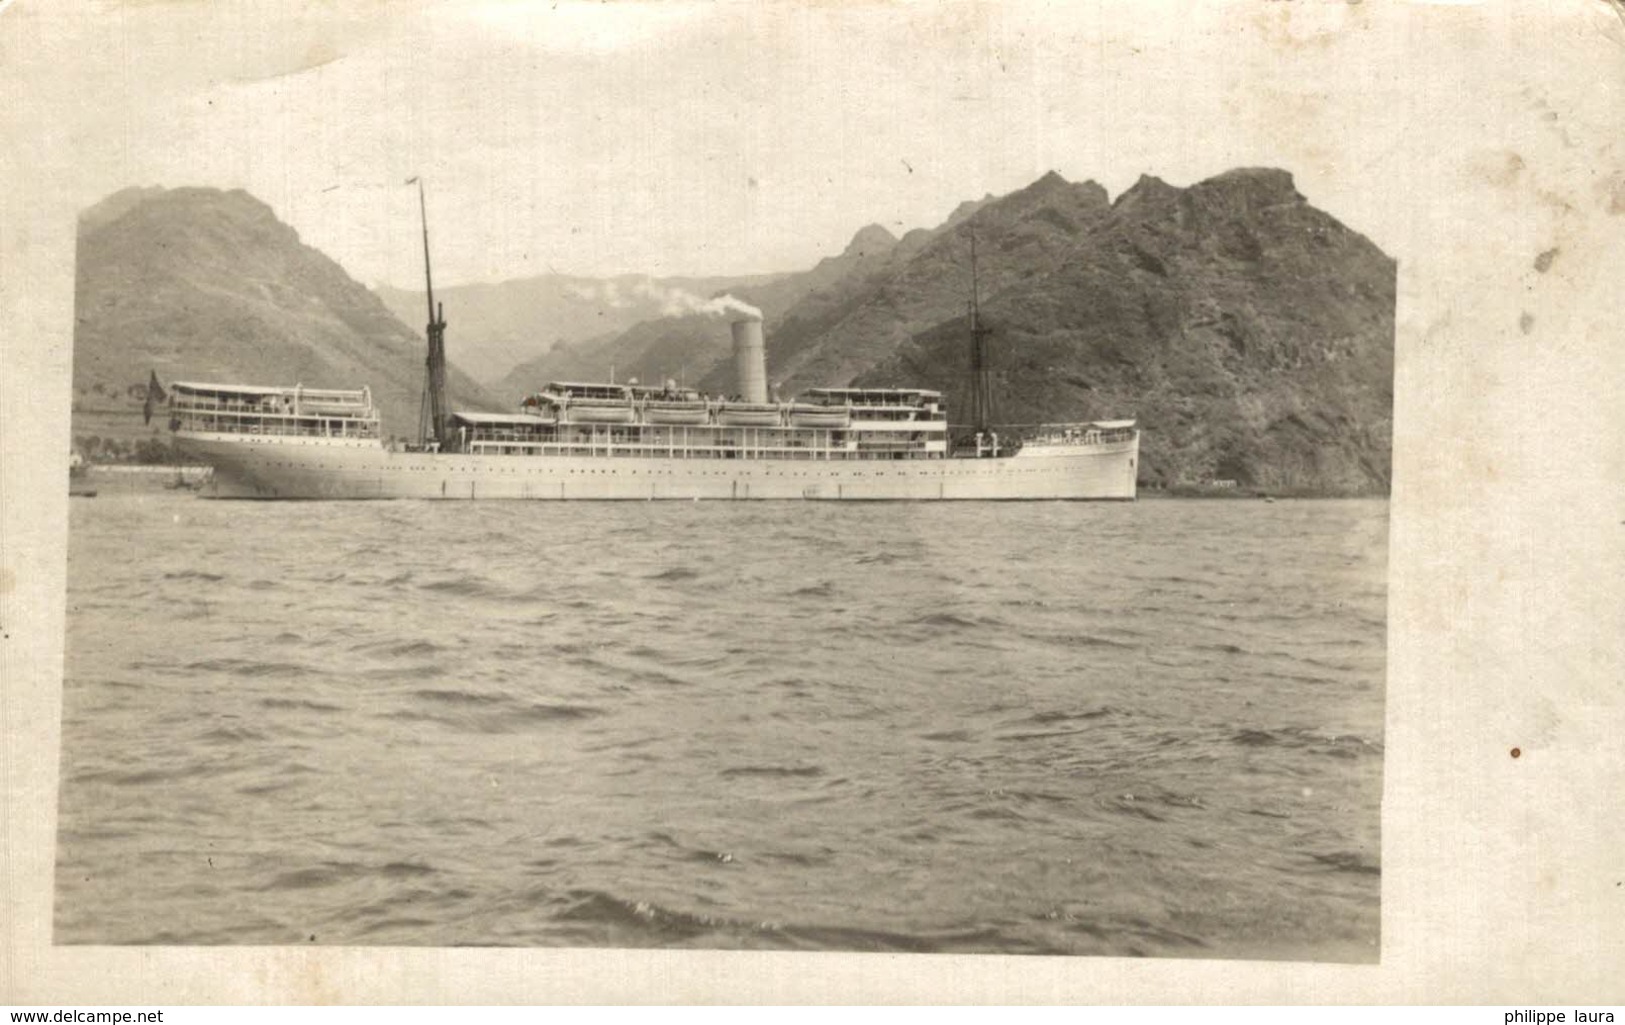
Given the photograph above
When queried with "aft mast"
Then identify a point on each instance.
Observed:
(435, 385)
(981, 370)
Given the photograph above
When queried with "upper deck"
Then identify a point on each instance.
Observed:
(252, 409)
(1094, 432)
(877, 405)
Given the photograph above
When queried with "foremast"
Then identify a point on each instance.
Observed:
(432, 422)
(981, 368)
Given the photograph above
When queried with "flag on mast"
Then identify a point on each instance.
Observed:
(155, 395)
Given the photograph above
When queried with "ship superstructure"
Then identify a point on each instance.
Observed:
(822, 424)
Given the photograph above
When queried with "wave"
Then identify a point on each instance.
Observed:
(486, 713)
(212, 768)
(1254, 738)
(329, 873)
(800, 859)
(387, 924)
(412, 648)
(250, 668)
(950, 736)
(1045, 718)
(1151, 803)
(1125, 934)
(675, 573)
(464, 587)
(600, 908)
(230, 735)
(261, 789)
(1044, 735)
(633, 921)
(426, 671)
(653, 676)
(1332, 745)
(949, 620)
(557, 713)
(1128, 804)
(774, 771)
(338, 873)
(883, 559)
(461, 697)
(1349, 861)
(1081, 640)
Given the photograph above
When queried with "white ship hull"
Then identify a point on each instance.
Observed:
(274, 467)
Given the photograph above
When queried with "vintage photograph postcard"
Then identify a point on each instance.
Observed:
(653, 491)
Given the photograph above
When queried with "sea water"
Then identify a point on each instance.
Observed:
(1050, 728)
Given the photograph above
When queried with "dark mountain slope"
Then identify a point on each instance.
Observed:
(831, 337)
(201, 284)
(1250, 333)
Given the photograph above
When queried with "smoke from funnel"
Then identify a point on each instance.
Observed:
(675, 302)
(750, 359)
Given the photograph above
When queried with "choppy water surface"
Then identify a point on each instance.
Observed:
(1149, 729)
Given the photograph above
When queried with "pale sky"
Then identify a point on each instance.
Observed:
(731, 137)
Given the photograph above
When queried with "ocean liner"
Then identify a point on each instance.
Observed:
(573, 440)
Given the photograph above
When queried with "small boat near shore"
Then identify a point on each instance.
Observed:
(79, 485)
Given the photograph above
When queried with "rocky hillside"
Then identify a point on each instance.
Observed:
(1251, 334)
(201, 284)
(838, 333)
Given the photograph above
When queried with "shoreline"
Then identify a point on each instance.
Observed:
(197, 474)
(1188, 492)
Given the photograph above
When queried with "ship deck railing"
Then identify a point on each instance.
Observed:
(305, 426)
(1079, 433)
(860, 414)
(307, 409)
(1081, 437)
(748, 452)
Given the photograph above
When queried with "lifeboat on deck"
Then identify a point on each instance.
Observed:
(676, 411)
(748, 414)
(808, 415)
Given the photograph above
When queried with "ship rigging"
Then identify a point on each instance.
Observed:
(987, 440)
(433, 411)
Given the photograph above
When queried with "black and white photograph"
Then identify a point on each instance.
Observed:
(819, 478)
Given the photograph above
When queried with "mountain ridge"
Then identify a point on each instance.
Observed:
(208, 284)
(1249, 333)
